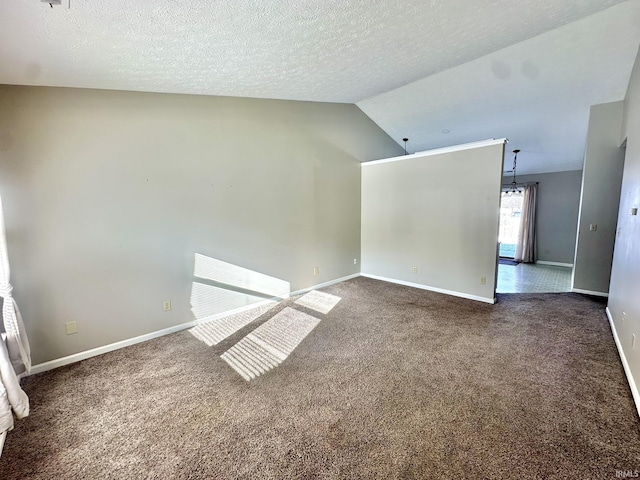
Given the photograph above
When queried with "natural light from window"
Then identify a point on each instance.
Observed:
(510, 212)
(234, 297)
(270, 344)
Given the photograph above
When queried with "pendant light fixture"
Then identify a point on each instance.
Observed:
(514, 185)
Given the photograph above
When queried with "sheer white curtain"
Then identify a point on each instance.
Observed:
(526, 246)
(15, 354)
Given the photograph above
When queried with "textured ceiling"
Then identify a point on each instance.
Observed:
(363, 51)
(536, 93)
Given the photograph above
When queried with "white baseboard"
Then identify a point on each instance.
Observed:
(632, 384)
(3, 435)
(590, 292)
(274, 299)
(325, 284)
(555, 264)
(251, 306)
(76, 357)
(431, 289)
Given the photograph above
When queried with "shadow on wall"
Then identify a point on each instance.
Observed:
(234, 298)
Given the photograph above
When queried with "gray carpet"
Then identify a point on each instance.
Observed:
(394, 382)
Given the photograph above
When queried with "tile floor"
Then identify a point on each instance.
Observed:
(532, 278)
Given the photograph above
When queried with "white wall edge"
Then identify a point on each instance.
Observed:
(76, 357)
(325, 284)
(590, 292)
(555, 264)
(431, 289)
(439, 151)
(632, 384)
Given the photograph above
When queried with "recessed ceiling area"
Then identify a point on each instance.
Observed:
(524, 70)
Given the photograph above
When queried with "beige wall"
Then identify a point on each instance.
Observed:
(624, 301)
(599, 201)
(108, 195)
(413, 214)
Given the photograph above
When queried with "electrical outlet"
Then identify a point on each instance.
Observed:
(483, 280)
(624, 316)
(355, 261)
(633, 341)
(593, 227)
(71, 327)
(166, 305)
(415, 269)
(316, 270)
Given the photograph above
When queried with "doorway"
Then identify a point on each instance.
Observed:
(516, 277)
(510, 214)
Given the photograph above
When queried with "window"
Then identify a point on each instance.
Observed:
(510, 211)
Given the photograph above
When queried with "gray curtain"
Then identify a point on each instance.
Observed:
(526, 246)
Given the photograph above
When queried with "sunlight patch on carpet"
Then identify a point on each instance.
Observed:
(214, 331)
(269, 344)
(319, 301)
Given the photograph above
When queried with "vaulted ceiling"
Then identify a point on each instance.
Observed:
(439, 72)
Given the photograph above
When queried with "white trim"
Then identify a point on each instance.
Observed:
(555, 264)
(438, 151)
(244, 308)
(76, 357)
(432, 289)
(94, 352)
(632, 384)
(590, 292)
(325, 284)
